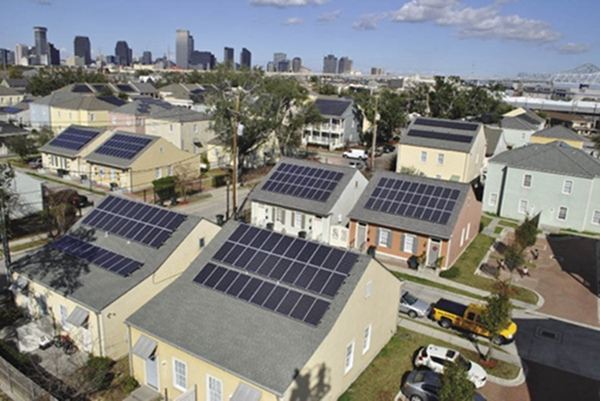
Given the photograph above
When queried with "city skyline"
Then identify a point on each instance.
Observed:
(491, 38)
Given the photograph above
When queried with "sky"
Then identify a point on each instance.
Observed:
(485, 38)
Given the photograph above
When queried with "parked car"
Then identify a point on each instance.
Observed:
(35, 163)
(424, 385)
(435, 358)
(355, 154)
(413, 306)
(388, 148)
(358, 164)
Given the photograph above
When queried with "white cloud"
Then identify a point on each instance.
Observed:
(293, 21)
(369, 22)
(330, 16)
(423, 10)
(511, 27)
(573, 48)
(287, 3)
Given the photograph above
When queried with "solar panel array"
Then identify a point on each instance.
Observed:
(81, 89)
(73, 138)
(447, 124)
(302, 181)
(440, 135)
(303, 265)
(106, 259)
(135, 221)
(123, 146)
(427, 202)
(125, 88)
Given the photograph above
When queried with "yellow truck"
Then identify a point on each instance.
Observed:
(452, 314)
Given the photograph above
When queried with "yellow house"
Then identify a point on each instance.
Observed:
(108, 265)
(66, 152)
(9, 97)
(85, 110)
(132, 161)
(443, 149)
(244, 319)
(558, 133)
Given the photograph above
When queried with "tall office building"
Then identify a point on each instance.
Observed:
(296, 64)
(376, 71)
(7, 57)
(21, 54)
(228, 57)
(245, 58)
(83, 48)
(202, 60)
(147, 58)
(330, 64)
(123, 52)
(270, 66)
(345, 66)
(41, 45)
(54, 54)
(184, 46)
(283, 66)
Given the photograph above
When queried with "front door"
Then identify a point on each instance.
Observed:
(152, 372)
(434, 251)
(361, 236)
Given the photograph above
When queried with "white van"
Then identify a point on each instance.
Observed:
(356, 154)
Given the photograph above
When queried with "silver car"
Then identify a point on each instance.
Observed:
(424, 385)
(413, 306)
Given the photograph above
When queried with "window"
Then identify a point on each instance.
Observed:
(64, 313)
(179, 375)
(409, 243)
(367, 339)
(170, 127)
(102, 172)
(462, 237)
(170, 170)
(58, 114)
(114, 120)
(527, 180)
(349, 357)
(70, 116)
(128, 121)
(91, 116)
(562, 213)
(298, 220)
(567, 187)
(113, 174)
(493, 199)
(468, 230)
(384, 237)
(596, 217)
(214, 389)
(140, 122)
(195, 128)
(368, 289)
(523, 206)
(280, 215)
(423, 156)
(158, 172)
(440, 159)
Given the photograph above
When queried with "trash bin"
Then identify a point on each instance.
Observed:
(270, 226)
(220, 219)
(413, 262)
(371, 251)
(302, 234)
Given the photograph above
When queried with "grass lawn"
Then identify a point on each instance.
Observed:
(498, 230)
(485, 221)
(469, 261)
(381, 380)
(507, 223)
(67, 183)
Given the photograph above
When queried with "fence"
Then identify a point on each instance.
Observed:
(18, 386)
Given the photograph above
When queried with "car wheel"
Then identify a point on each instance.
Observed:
(412, 314)
(445, 323)
(415, 397)
(498, 340)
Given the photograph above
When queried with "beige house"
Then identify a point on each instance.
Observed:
(88, 111)
(131, 117)
(112, 262)
(187, 129)
(9, 96)
(443, 149)
(132, 161)
(558, 133)
(245, 322)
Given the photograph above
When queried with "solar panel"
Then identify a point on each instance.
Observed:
(447, 124)
(73, 138)
(81, 89)
(425, 202)
(135, 221)
(123, 146)
(440, 135)
(125, 88)
(311, 183)
(103, 258)
(274, 297)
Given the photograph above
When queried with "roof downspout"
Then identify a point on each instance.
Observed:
(100, 323)
(129, 352)
(130, 180)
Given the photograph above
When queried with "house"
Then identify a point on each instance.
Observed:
(559, 183)
(309, 198)
(89, 111)
(340, 127)
(9, 96)
(191, 96)
(8, 131)
(39, 109)
(401, 215)
(186, 129)
(131, 162)
(290, 319)
(65, 153)
(518, 125)
(494, 142)
(18, 84)
(108, 265)
(131, 89)
(131, 117)
(444, 149)
(558, 133)
(577, 123)
(18, 114)
(30, 195)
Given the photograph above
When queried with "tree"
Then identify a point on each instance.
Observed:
(42, 137)
(105, 91)
(455, 384)
(22, 146)
(8, 200)
(497, 314)
(513, 257)
(391, 107)
(596, 140)
(15, 72)
(526, 233)
(50, 79)
(61, 214)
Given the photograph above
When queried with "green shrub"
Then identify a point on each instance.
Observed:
(129, 384)
(219, 180)
(453, 272)
(10, 314)
(98, 372)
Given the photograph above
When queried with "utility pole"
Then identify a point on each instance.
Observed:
(5, 247)
(375, 118)
(234, 172)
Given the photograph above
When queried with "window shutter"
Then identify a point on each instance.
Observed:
(274, 214)
(378, 236)
(402, 237)
(415, 245)
(283, 216)
(389, 239)
(303, 221)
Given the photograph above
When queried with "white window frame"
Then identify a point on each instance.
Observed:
(440, 159)
(91, 116)
(169, 170)
(367, 339)
(519, 209)
(63, 311)
(171, 128)
(408, 238)
(177, 376)
(279, 215)
(113, 174)
(423, 156)
(462, 237)
(114, 120)
(596, 217)
(558, 213)
(525, 184)
(214, 394)
(368, 289)
(383, 233)
(468, 231)
(297, 222)
(195, 128)
(349, 363)
(158, 172)
(128, 121)
(569, 186)
(493, 201)
(102, 171)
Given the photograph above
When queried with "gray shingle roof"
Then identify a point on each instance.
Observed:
(7, 129)
(420, 124)
(332, 107)
(303, 204)
(56, 98)
(408, 224)
(88, 284)
(17, 82)
(253, 343)
(118, 162)
(92, 103)
(4, 91)
(143, 106)
(492, 137)
(180, 114)
(518, 122)
(555, 157)
(559, 132)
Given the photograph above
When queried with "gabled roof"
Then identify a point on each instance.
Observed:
(4, 91)
(144, 87)
(180, 115)
(304, 204)
(257, 344)
(559, 132)
(98, 156)
(441, 134)
(555, 158)
(143, 107)
(418, 186)
(333, 107)
(493, 135)
(91, 285)
(16, 82)
(65, 143)
(92, 103)
(56, 98)
(7, 129)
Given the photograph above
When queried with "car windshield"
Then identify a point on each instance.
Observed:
(409, 299)
(462, 362)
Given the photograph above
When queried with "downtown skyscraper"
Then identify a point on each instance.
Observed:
(83, 49)
(41, 46)
(124, 53)
(184, 46)
(245, 58)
